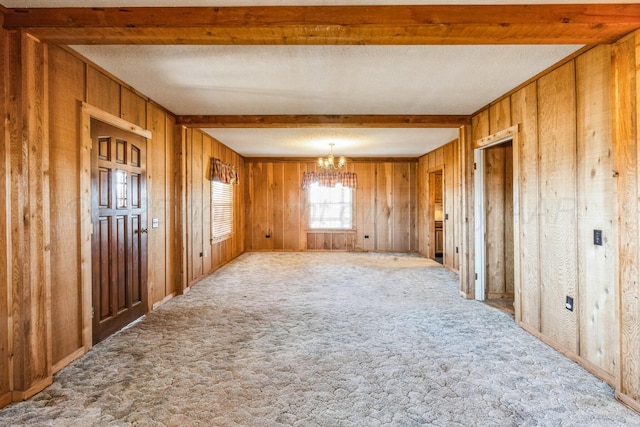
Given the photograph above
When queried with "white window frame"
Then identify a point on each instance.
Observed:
(333, 203)
(221, 205)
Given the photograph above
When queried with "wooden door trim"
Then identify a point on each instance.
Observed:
(87, 112)
(509, 134)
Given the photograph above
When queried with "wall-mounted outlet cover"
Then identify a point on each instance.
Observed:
(366, 236)
(597, 237)
(569, 303)
(154, 223)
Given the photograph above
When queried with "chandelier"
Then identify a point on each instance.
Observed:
(329, 163)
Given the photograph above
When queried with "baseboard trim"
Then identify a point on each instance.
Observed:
(163, 301)
(5, 399)
(589, 366)
(70, 358)
(18, 396)
(628, 401)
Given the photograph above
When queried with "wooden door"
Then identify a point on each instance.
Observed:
(119, 240)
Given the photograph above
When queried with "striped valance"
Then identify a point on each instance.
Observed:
(223, 172)
(330, 179)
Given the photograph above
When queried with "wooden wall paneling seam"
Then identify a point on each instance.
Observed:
(466, 244)
(66, 79)
(556, 97)
(30, 251)
(184, 215)
(6, 304)
(524, 113)
(625, 137)
(596, 210)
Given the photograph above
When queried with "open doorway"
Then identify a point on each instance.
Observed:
(436, 190)
(495, 196)
(498, 190)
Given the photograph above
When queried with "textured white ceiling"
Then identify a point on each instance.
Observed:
(320, 80)
(325, 80)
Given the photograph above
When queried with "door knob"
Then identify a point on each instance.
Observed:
(143, 230)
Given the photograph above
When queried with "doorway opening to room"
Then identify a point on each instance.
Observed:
(436, 229)
(495, 225)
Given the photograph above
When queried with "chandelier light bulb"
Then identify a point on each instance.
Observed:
(329, 163)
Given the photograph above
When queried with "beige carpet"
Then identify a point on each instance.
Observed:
(324, 339)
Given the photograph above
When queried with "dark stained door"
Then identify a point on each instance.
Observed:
(119, 240)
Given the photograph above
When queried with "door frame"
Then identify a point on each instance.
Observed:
(87, 112)
(506, 135)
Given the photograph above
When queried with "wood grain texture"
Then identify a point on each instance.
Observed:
(365, 206)
(172, 222)
(66, 83)
(208, 249)
(384, 207)
(6, 280)
(423, 24)
(133, 107)
(480, 127)
(508, 220)
(401, 208)
(625, 139)
(326, 120)
(500, 116)
(448, 204)
(597, 210)
(424, 217)
(524, 111)
(291, 216)
(156, 193)
(495, 219)
(196, 188)
(29, 139)
(467, 238)
(102, 92)
(277, 206)
(558, 238)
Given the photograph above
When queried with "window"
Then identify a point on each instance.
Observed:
(221, 211)
(330, 207)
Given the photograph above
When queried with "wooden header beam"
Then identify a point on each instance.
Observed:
(326, 25)
(334, 121)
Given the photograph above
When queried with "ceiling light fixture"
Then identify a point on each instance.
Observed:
(329, 163)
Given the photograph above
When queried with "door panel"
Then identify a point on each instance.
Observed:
(119, 239)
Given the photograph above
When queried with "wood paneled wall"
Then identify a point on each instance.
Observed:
(446, 159)
(202, 255)
(41, 311)
(626, 136)
(385, 208)
(566, 189)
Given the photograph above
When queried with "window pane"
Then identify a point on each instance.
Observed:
(330, 207)
(221, 210)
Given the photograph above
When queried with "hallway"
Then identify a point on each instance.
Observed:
(327, 339)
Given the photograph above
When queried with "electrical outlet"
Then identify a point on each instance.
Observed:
(446, 216)
(456, 249)
(268, 236)
(366, 236)
(597, 237)
(569, 303)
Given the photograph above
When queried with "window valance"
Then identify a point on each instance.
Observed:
(330, 179)
(223, 172)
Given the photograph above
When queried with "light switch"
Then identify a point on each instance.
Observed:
(154, 223)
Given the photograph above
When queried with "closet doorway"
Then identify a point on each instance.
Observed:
(436, 211)
(495, 225)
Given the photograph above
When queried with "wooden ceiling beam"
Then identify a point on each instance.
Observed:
(318, 25)
(334, 121)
